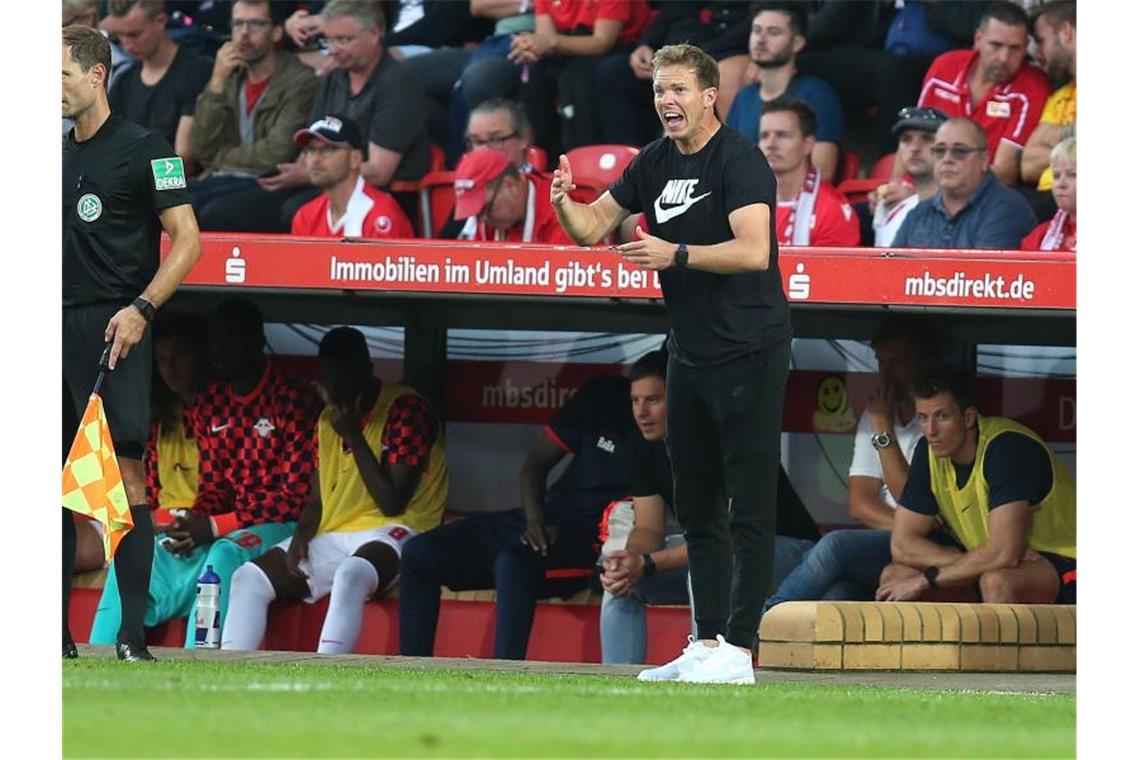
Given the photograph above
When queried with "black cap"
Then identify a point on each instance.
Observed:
(919, 117)
(334, 128)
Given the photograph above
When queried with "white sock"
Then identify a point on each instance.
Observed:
(250, 596)
(355, 581)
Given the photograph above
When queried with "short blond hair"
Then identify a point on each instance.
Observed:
(692, 58)
(1064, 153)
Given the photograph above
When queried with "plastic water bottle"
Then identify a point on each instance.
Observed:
(207, 613)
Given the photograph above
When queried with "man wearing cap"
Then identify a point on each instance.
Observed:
(332, 150)
(892, 201)
(507, 204)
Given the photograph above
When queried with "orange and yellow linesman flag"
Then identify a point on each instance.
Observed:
(92, 483)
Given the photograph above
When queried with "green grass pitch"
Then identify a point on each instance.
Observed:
(211, 709)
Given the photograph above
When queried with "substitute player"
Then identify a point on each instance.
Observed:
(709, 197)
(122, 186)
(381, 478)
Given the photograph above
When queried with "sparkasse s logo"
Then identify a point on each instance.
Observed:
(235, 267)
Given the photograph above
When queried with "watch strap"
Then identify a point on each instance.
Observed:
(649, 566)
(145, 307)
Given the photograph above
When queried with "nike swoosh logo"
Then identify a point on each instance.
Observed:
(219, 428)
(665, 214)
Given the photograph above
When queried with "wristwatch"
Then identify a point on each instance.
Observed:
(681, 256)
(881, 440)
(931, 574)
(145, 307)
(649, 566)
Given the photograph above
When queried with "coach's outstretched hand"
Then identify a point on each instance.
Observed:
(563, 182)
(647, 251)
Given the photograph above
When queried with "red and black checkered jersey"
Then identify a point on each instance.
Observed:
(410, 431)
(256, 453)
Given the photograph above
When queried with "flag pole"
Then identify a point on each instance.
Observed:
(104, 368)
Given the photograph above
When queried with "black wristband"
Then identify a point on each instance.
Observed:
(145, 307)
(649, 567)
(681, 256)
(931, 574)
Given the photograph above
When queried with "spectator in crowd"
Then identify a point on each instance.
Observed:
(488, 74)
(993, 84)
(776, 39)
(625, 108)
(160, 88)
(875, 54)
(1059, 233)
(257, 97)
(809, 210)
(370, 87)
(846, 564)
(652, 565)
(86, 13)
(253, 430)
(971, 208)
(1055, 30)
(505, 202)
(381, 478)
(502, 126)
(560, 60)
(332, 150)
(511, 551)
(892, 201)
(1000, 489)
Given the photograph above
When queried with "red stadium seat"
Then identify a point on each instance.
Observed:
(595, 167)
(413, 185)
(536, 157)
(882, 167)
(856, 189)
(437, 199)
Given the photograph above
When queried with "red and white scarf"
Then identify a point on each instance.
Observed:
(797, 227)
(1054, 239)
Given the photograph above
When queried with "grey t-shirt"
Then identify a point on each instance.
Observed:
(391, 110)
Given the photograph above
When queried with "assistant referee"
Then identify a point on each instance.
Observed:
(122, 186)
(710, 198)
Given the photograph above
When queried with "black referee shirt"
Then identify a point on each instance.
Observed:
(715, 318)
(115, 184)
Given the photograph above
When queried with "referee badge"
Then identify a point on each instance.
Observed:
(168, 173)
(89, 207)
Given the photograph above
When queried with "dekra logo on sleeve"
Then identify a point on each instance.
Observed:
(678, 194)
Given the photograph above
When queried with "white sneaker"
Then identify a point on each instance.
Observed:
(693, 653)
(725, 664)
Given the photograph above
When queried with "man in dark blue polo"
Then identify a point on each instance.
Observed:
(971, 209)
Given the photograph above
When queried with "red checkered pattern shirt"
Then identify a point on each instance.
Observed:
(409, 432)
(256, 453)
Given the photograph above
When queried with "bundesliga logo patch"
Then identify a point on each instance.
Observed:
(168, 173)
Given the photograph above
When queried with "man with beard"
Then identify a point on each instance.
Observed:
(892, 201)
(332, 150)
(256, 99)
(777, 37)
(994, 85)
(1055, 29)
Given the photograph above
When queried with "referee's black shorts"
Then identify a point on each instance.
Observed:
(125, 392)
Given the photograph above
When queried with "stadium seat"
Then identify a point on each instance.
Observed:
(856, 189)
(437, 199)
(882, 168)
(536, 157)
(413, 185)
(595, 167)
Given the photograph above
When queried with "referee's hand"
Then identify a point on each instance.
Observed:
(124, 332)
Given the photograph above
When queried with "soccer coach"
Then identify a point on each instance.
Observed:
(710, 198)
(122, 185)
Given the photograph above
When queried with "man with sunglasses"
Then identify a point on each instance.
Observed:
(506, 203)
(257, 97)
(971, 208)
(332, 151)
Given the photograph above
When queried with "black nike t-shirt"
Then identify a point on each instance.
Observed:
(115, 184)
(715, 318)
